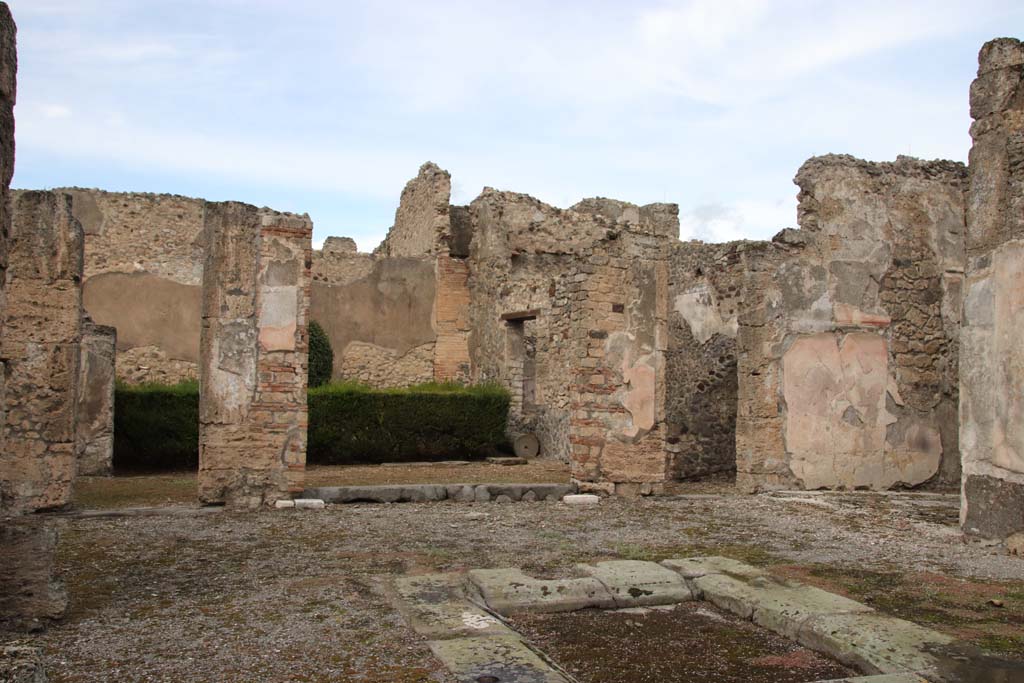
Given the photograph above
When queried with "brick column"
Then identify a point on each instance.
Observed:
(451, 320)
(253, 355)
(617, 395)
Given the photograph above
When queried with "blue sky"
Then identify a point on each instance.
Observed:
(330, 107)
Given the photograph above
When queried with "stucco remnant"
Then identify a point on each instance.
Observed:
(252, 408)
(992, 360)
(849, 332)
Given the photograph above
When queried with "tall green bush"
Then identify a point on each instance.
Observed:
(349, 423)
(156, 426)
(321, 356)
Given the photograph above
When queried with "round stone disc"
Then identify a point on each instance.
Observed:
(526, 446)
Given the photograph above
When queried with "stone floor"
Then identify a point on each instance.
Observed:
(301, 596)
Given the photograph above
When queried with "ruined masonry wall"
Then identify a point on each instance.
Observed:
(143, 276)
(848, 335)
(94, 430)
(705, 296)
(252, 411)
(41, 332)
(992, 354)
(422, 223)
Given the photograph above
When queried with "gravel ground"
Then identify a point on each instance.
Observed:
(297, 595)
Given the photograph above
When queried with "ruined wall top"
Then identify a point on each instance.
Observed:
(515, 223)
(422, 224)
(8, 55)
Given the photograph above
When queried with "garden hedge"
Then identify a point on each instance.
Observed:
(350, 423)
(157, 427)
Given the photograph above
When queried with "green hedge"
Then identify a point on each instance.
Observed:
(350, 423)
(157, 426)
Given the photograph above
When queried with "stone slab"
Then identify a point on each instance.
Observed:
(507, 461)
(873, 643)
(505, 659)
(693, 567)
(581, 499)
(779, 607)
(283, 504)
(308, 503)
(637, 584)
(507, 591)
(435, 606)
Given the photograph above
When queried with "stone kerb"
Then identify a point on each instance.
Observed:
(254, 346)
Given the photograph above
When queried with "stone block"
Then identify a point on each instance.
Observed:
(94, 426)
(499, 658)
(637, 584)
(307, 503)
(507, 591)
(873, 643)
(581, 499)
(284, 504)
(435, 606)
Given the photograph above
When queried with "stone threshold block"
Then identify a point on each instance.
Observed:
(499, 658)
(436, 607)
(847, 630)
(507, 591)
(638, 584)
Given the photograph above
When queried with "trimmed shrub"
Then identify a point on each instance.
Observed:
(351, 423)
(321, 356)
(156, 426)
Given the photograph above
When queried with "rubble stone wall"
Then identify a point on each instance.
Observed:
(94, 429)
(705, 295)
(569, 311)
(422, 224)
(992, 356)
(252, 410)
(143, 276)
(41, 332)
(849, 331)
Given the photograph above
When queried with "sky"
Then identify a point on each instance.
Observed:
(329, 107)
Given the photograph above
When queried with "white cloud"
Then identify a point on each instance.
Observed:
(744, 219)
(55, 111)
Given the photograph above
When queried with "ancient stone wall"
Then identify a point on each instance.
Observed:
(40, 338)
(705, 295)
(992, 357)
(143, 276)
(422, 224)
(94, 428)
(568, 310)
(849, 330)
(252, 409)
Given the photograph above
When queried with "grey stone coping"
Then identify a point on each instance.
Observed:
(420, 493)
(461, 615)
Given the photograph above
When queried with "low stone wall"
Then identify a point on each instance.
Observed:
(992, 359)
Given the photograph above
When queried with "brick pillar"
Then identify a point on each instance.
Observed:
(992, 353)
(94, 431)
(42, 327)
(617, 430)
(451, 320)
(253, 355)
